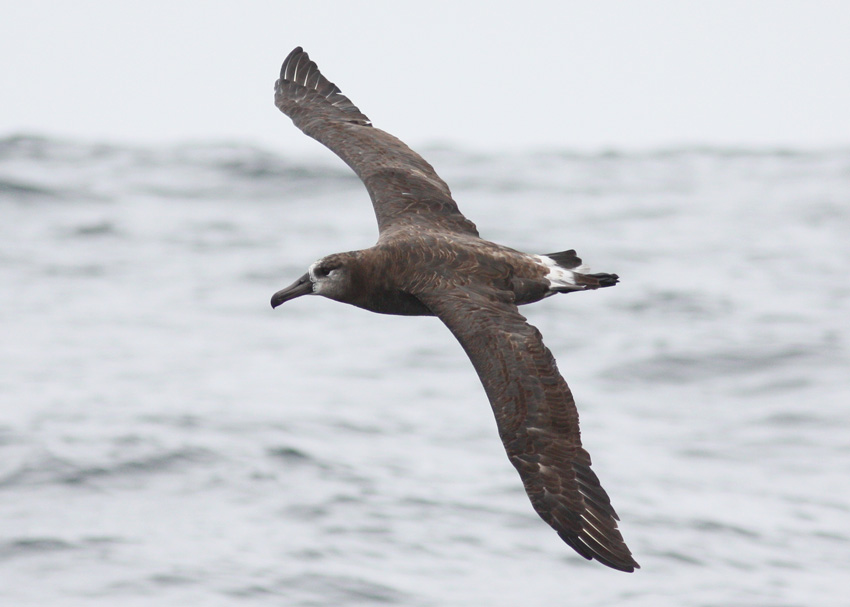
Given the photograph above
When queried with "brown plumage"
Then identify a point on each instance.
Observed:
(430, 260)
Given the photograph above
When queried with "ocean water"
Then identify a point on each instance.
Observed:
(168, 439)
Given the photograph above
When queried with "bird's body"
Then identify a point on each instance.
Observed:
(430, 261)
(388, 273)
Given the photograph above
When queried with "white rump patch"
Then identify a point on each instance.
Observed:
(558, 276)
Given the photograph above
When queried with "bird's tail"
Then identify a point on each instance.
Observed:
(597, 281)
(578, 279)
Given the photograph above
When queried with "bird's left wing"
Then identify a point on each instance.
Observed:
(537, 419)
(405, 189)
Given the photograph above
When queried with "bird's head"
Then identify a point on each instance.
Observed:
(329, 277)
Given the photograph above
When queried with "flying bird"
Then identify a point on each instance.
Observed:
(430, 261)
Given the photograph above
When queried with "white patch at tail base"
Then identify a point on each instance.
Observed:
(559, 276)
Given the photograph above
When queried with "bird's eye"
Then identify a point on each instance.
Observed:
(324, 272)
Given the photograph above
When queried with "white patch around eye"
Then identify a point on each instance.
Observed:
(312, 272)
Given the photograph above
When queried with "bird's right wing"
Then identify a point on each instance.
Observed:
(404, 188)
(537, 419)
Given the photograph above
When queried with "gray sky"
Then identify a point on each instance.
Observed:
(485, 75)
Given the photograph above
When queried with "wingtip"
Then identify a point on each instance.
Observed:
(293, 55)
(621, 560)
(299, 76)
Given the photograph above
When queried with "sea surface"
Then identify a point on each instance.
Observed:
(167, 439)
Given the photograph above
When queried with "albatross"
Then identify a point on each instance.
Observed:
(429, 260)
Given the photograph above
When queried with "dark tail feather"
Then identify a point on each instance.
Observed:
(566, 259)
(602, 280)
(590, 281)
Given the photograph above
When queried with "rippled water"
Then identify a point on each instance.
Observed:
(168, 439)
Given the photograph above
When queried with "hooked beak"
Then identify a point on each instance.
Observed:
(302, 286)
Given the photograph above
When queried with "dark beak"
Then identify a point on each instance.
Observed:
(302, 286)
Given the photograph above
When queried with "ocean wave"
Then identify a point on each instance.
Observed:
(39, 168)
(45, 468)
